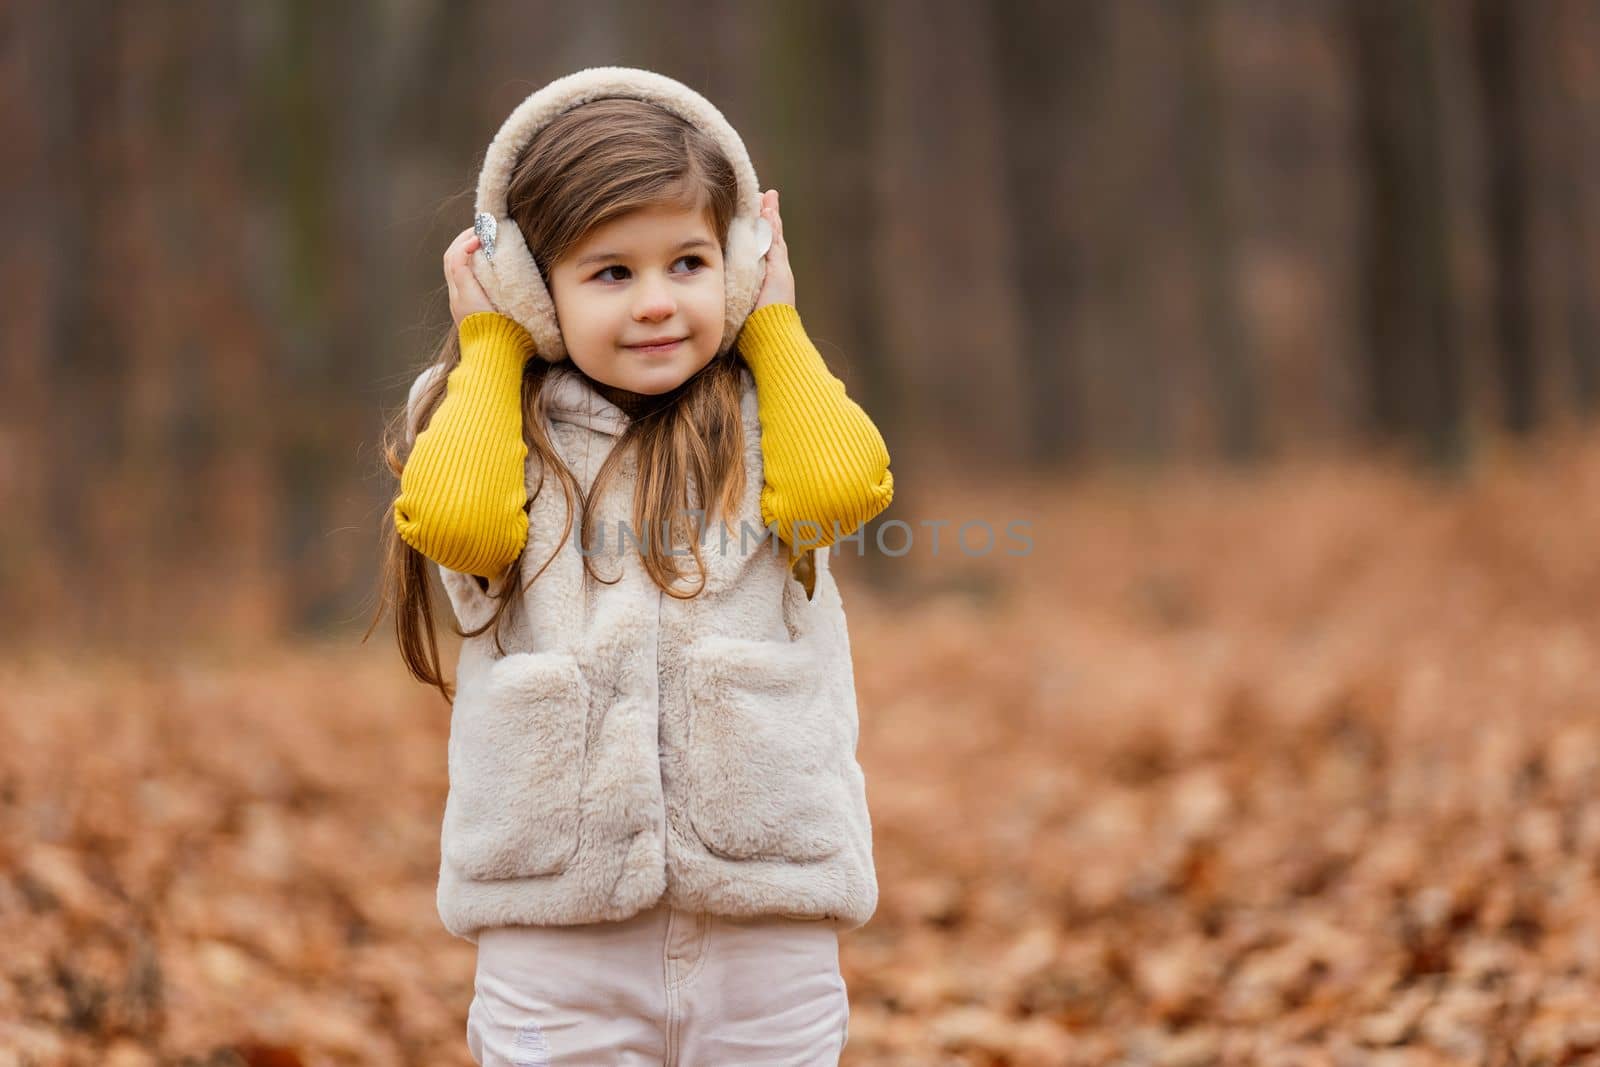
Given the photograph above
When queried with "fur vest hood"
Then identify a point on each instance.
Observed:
(631, 746)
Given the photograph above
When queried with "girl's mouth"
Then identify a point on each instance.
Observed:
(656, 350)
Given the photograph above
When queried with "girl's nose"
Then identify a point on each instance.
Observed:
(655, 302)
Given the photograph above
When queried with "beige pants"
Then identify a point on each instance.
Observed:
(666, 988)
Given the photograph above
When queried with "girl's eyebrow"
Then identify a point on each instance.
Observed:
(693, 242)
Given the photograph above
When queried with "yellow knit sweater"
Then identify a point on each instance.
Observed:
(463, 489)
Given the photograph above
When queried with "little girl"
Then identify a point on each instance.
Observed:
(656, 825)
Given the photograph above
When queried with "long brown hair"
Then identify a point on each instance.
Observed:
(588, 166)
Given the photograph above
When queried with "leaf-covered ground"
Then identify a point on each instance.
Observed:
(1294, 770)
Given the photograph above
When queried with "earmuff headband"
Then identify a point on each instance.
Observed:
(506, 268)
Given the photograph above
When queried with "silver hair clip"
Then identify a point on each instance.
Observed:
(484, 226)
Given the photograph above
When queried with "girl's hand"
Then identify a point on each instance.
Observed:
(778, 288)
(466, 295)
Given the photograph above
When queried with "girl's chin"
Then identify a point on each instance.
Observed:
(653, 384)
(657, 374)
(653, 375)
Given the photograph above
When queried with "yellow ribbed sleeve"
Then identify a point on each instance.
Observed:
(824, 460)
(464, 485)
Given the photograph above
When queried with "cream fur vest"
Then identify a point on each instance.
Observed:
(632, 746)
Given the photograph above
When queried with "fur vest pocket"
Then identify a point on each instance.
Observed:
(516, 759)
(764, 752)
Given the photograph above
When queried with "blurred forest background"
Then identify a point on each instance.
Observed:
(1276, 320)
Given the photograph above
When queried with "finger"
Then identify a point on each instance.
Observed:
(461, 261)
(472, 287)
(452, 251)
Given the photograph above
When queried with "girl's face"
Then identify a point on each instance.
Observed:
(651, 274)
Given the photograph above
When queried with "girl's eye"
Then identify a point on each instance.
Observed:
(600, 274)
